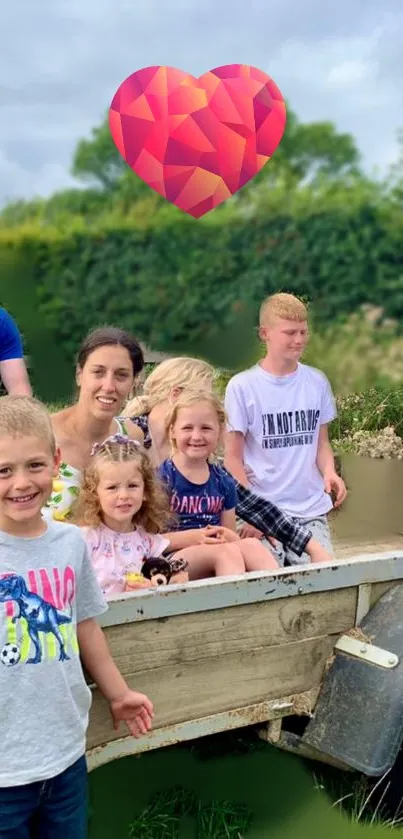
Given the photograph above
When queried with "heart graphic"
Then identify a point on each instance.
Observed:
(197, 141)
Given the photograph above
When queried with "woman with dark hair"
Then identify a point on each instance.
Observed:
(108, 363)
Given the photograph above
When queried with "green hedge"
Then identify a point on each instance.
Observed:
(196, 286)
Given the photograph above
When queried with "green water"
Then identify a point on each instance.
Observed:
(279, 792)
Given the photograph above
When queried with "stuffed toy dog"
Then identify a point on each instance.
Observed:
(158, 570)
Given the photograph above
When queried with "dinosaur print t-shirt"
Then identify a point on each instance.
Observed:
(47, 587)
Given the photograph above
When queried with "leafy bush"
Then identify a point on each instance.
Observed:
(183, 285)
(371, 411)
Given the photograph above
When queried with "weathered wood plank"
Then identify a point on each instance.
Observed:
(223, 592)
(184, 639)
(189, 690)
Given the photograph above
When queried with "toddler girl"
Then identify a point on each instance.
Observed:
(203, 495)
(122, 510)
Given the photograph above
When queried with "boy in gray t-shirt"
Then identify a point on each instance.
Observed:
(49, 599)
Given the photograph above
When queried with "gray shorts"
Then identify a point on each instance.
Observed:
(320, 531)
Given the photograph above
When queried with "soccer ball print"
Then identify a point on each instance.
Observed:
(10, 654)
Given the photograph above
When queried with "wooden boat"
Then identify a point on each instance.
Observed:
(227, 653)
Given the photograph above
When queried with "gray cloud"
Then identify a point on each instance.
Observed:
(61, 62)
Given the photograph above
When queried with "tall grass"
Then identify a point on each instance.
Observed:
(363, 800)
(177, 808)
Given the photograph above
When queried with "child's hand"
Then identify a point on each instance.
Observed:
(139, 584)
(135, 581)
(247, 531)
(135, 709)
(229, 535)
(335, 484)
(211, 535)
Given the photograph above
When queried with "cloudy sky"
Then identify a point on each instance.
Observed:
(62, 60)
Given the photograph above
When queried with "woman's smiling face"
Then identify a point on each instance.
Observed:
(105, 381)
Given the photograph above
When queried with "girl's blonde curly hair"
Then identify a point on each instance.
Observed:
(154, 514)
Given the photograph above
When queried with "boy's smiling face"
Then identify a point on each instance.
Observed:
(27, 470)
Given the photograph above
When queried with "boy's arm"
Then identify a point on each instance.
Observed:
(126, 705)
(234, 443)
(135, 709)
(326, 465)
(236, 430)
(15, 377)
(13, 369)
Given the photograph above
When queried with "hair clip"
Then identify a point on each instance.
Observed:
(114, 438)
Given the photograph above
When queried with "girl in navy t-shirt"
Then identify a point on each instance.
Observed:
(203, 496)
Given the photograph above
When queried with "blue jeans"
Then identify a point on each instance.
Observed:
(53, 809)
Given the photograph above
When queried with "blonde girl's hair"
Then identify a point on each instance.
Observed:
(190, 397)
(182, 372)
(154, 515)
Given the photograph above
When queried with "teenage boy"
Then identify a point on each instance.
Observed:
(278, 413)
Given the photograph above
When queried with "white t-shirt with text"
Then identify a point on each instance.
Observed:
(280, 418)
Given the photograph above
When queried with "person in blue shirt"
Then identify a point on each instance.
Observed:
(203, 495)
(13, 371)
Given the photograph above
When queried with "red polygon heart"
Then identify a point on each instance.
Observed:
(197, 141)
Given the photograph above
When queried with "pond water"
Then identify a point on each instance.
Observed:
(244, 788)
(239, 795)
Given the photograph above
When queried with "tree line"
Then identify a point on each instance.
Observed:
(312, 222)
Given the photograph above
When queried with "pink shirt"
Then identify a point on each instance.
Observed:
(116, 554)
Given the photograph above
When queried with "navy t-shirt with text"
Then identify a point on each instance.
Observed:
(197, 505)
